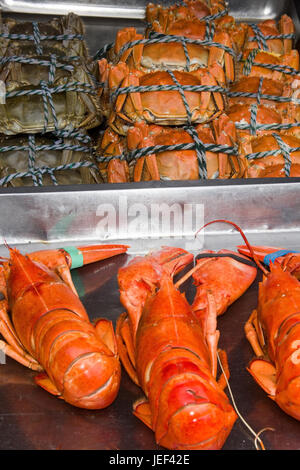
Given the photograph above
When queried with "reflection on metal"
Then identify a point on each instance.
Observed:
(80, 8)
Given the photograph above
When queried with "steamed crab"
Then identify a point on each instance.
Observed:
(257, 36)
(159, 53)
(286, 161)
(213, 12)
(161, 97)
(266, 102)
(175, 163)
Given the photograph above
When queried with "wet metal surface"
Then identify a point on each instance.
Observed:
(30, 418)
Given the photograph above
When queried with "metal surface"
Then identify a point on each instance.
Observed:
(30, 418)
(34, 218)
(134, 9)
(103, 19)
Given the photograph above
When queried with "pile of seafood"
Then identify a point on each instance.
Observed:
(48, 102)
(167, 345)
(198, 95)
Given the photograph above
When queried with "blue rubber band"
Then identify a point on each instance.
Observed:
(273, 256)
(76, 256)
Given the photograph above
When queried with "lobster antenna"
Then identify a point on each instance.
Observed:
(256, 434)
(259, 264)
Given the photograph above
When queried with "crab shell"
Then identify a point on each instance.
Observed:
(189, 9)
(170, 164)
(270, 166)
(195, 10)
(163, 107)
(175, 55)
(269, 111)
(181, 164)
(111, 144)
(290, 59)
(269, 28)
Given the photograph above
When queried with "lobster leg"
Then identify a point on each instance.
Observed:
(262, 370)
(211, 333)
(12, 347)
(125, 346)
(252, 334)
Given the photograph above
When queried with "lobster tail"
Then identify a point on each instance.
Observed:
(188, 408)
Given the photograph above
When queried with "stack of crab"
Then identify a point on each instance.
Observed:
(187, 100)
(48, 101)
(164, 94)
(264, 101)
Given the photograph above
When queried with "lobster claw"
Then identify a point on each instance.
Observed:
(83, 255)
(62, 260)
(289, 260)
(78, 256)
(267, 254)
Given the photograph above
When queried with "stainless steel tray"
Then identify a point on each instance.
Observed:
(103, 19)
(34, 218)
(268, 212)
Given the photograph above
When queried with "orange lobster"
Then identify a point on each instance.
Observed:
(48, 329)
(170, 351)
(273, 329)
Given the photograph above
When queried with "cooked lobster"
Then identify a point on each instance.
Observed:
(170, 351)
(47, 329)
(273, 329)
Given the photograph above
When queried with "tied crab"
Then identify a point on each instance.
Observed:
(273, 102)
(170, 161)
(169, 348)
(275, 155)
(269, 36)
(258, 63)
(46, 327)
(213, 13)
(161, 97)
(192, 47)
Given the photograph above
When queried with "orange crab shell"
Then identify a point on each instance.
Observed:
(174, 55)
(116, 170)
(183, 164)
(269, 28)
(191, 9)
(270, 166)
(269, 111)
(164, 107)
(288, 60)
(196, 11)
